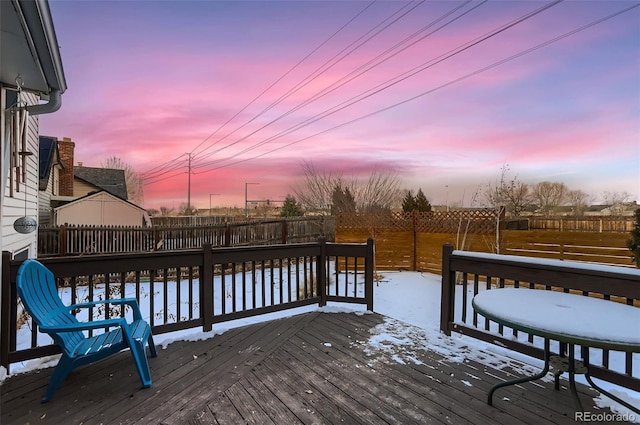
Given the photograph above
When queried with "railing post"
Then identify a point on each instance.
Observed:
(368, 273)
(448, 291)
(206, 288)
(5, 310)
(321, 278)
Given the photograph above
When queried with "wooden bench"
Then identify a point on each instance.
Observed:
(39, 294)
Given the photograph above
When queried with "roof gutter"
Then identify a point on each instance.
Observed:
(37, 18)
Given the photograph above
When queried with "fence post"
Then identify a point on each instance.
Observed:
(284, 232)
(448, 290)
(321, 278)
(368, 273)
(206, 288)
(62, 240)
(227, 235)
(5, 310)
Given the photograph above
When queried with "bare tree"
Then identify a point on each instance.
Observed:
(613, 198)
(165, 211)
(380, 191)
(186, 209)
(316, 192)
(511, 194)
(580, 201)
(549, 196)
(132, 179)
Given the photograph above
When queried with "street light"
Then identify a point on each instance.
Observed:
(246, 205)
(210, 195)
(447, 202)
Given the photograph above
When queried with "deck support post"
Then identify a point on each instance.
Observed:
(321, 270)
(206, 288)
(368, 273)
(448, 291)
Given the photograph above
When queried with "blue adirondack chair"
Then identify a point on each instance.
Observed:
(38, 291)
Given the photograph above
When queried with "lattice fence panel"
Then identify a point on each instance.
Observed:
(472, 221)
(468, 221)
(388, 222)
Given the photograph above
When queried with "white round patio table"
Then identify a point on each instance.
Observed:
(564, 317)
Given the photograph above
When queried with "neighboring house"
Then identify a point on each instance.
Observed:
(49, 178)
(90, 179)
(30, 73)
(68, 196)
(625, 209)
(101, 209)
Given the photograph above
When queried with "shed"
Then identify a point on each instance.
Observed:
(101, 209)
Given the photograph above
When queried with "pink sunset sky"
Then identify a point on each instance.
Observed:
(251, 89)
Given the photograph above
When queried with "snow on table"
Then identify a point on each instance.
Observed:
(574, 318)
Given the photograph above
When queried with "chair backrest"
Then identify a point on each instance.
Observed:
(39, 294)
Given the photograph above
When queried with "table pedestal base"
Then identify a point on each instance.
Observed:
(559, 365)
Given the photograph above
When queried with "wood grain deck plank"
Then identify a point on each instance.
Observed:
(316, 368)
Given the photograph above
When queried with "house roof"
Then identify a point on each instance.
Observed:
(47, 147)
(108, 179)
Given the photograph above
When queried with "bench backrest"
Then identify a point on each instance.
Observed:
(39, 294)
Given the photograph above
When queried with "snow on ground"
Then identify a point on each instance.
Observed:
(411, 302)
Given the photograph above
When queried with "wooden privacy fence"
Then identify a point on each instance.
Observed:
(583, 224)
(82, 240)
(413, 241)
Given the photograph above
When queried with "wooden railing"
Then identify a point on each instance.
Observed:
(463, 271)
(85, 240)
(187, 289)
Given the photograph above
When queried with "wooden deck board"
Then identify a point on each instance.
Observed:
(315, 368)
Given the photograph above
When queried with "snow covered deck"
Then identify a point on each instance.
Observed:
(311, 368)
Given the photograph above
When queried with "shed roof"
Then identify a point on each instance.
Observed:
(108, 179)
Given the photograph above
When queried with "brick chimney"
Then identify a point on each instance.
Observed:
(66, 148)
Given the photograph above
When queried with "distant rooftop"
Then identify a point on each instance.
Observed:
(108, 179)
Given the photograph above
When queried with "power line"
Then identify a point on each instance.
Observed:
(311, 77)
(152, 174)
(452, 82)
(389, 83)
(277, 81)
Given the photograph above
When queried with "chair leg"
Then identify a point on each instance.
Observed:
(142, 364)
(62, 370)
(152, 346)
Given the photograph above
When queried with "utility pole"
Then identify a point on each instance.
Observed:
(189, 186)
(246, 201)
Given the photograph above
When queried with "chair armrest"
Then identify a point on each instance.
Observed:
(131, 302)
(82, 326)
